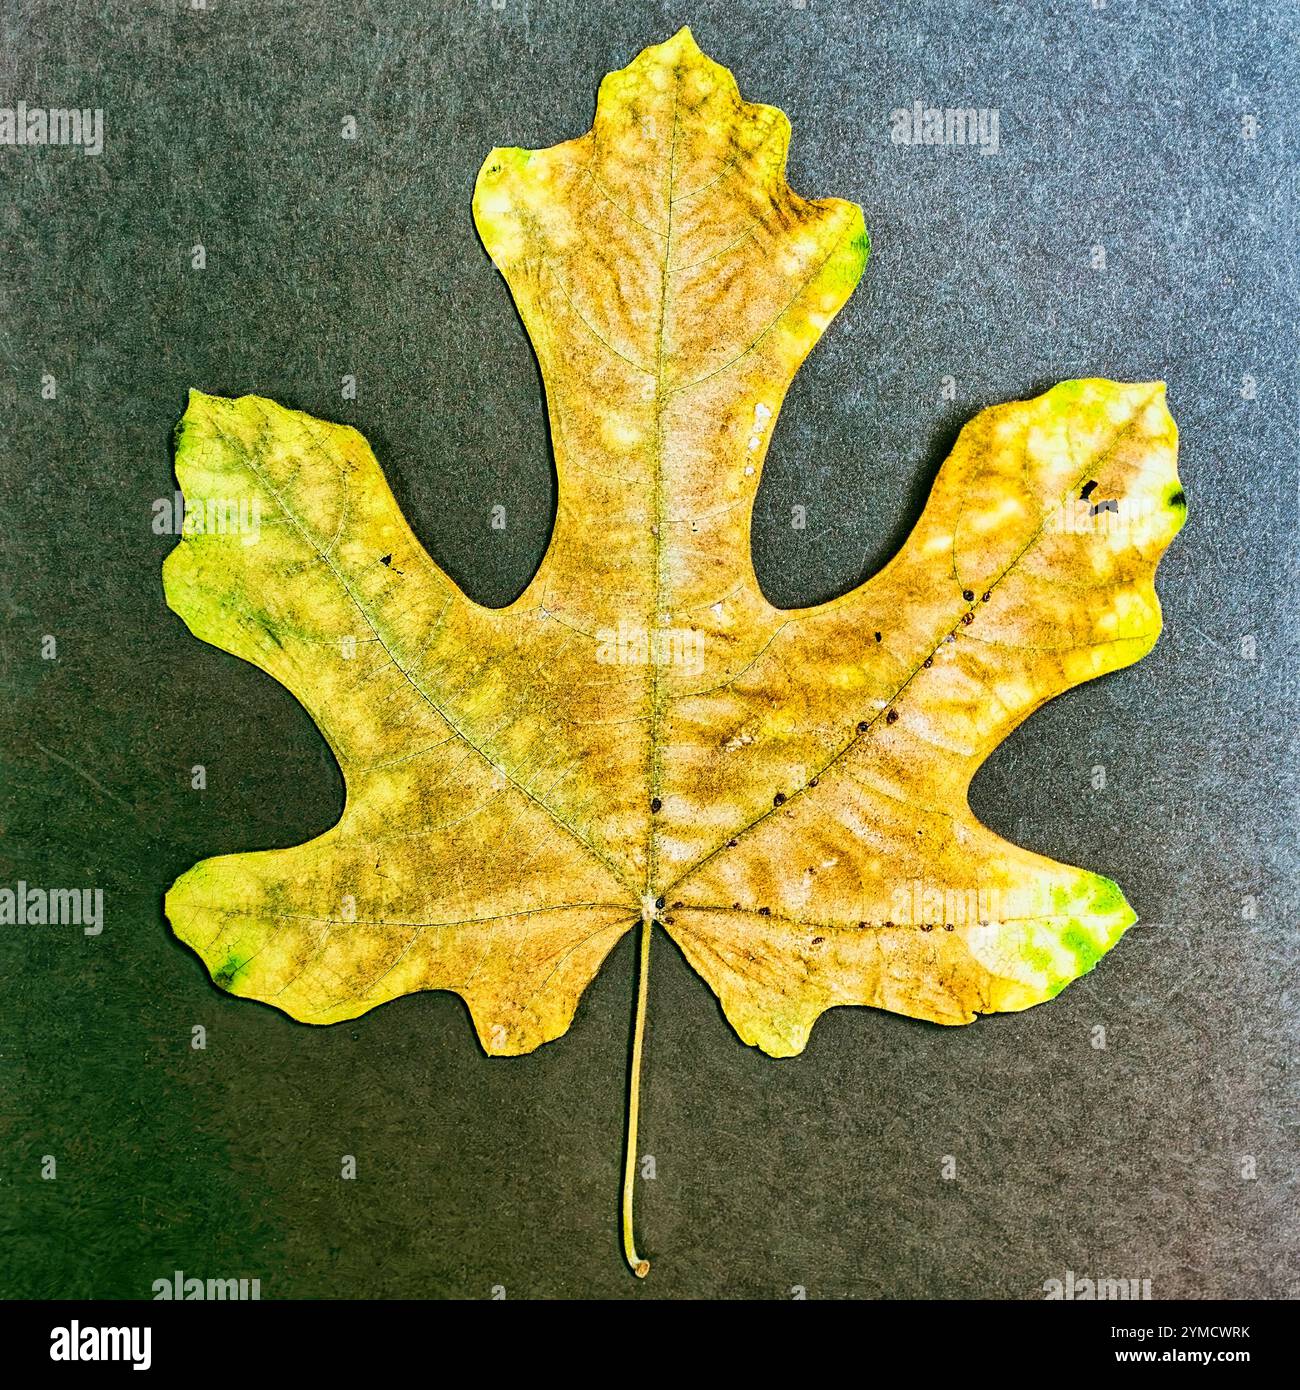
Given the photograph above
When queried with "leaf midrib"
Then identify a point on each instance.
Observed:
(655, 752)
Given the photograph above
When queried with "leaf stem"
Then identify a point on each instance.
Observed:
(639, 1266)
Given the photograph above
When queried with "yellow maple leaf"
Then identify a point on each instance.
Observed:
(642, 737)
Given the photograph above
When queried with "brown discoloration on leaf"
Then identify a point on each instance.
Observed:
(525, 785)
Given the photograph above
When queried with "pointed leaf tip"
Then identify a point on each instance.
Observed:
(682, 45)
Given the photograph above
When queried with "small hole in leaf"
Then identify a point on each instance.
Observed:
(1088, 489)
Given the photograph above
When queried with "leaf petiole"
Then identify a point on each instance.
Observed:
(638, 1266)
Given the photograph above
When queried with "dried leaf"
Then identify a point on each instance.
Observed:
(642, 736)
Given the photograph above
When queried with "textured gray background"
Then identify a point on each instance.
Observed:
(1120, 126)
